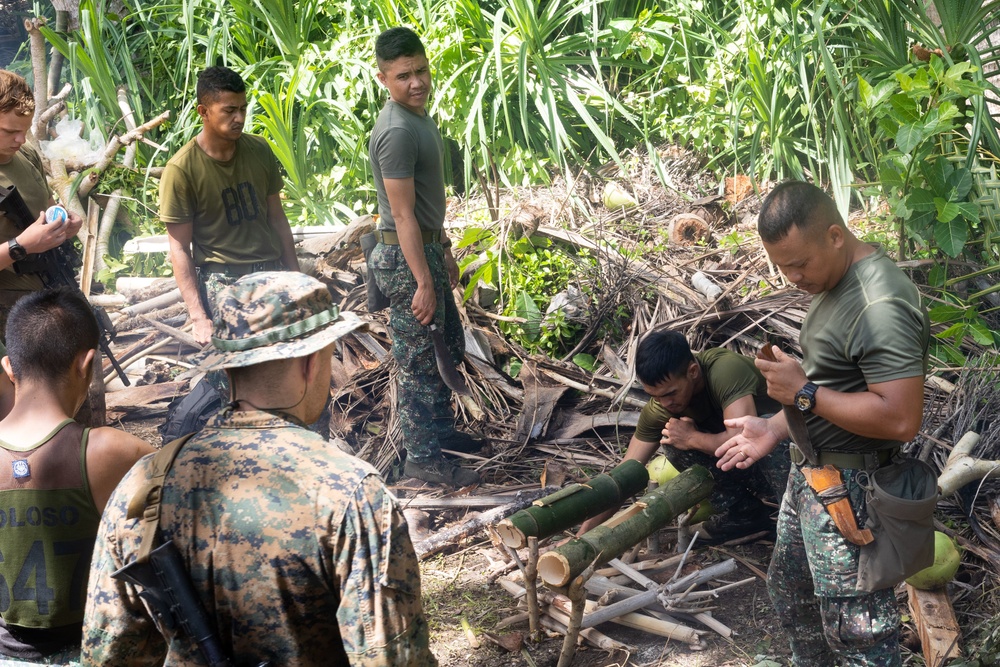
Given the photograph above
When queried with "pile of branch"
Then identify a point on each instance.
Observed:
(666, 596)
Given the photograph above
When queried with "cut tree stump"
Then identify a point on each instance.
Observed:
(936, 625)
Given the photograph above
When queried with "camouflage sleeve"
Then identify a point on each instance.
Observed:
(117, 630)
(380, 616)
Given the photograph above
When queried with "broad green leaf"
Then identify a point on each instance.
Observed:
(955, 332)
(951, 236)
(937, 275)
(904, 110)
(909, 137)
(969, 211)
(866, 92)
(946, 210)
(585, 361)
(944, 312)
(937, 174)
(526, 308)
(981, 333)
(920, 200)
(960, 184)
(891, 177)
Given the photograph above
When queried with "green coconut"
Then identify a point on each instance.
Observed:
(661, 470)
(946, 562)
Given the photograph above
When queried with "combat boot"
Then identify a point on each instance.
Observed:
(464, 443)
(438, 470)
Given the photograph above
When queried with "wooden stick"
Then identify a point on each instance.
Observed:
(578, 600)
(579, 386)
(936, 624)
(434, 544)
(639, 601)
(179, 335)
(531, 586)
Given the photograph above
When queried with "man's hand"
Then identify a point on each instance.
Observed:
(754, 441)
(201, 329)
(41, 236)
(784, 376)
(424, 304)
(452, 267)
(680, 433)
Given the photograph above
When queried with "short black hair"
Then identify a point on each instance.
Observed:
(46, 330)
(397, 43)
(662, 354)
(218, 79)
(795, 203)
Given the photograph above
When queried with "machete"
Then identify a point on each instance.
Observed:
(793, 417)
(446, 365)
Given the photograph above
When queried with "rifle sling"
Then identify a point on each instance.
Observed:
(146, 501)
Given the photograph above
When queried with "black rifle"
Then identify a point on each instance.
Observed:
(167, 588)
(55, 268)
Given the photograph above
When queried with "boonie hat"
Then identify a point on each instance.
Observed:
(274, 315)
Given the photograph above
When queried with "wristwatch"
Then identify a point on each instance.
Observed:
(805, 398)
(16, 250)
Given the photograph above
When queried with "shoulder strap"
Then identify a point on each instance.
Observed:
(146, 501)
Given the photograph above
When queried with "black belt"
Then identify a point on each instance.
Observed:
(387, 237)
(237, 270)
(857, 460)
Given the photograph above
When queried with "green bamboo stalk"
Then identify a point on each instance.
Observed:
(612, 538)
(574, 504)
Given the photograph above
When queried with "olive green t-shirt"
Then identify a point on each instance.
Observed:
(728, 377)
(406, 145)
(870, 328)
(225, 201)
(25, 171)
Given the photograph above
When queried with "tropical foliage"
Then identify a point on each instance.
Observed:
(882, 100)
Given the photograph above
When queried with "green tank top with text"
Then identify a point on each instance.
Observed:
(48, 524)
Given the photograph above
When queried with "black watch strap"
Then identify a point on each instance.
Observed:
(16, 250)
(805, 398)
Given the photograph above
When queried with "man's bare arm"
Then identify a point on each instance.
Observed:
(180, 235)
(402, 199)
(890, 410)
(110, 454)
(279, 223)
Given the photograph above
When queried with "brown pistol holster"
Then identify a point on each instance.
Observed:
(828, 484)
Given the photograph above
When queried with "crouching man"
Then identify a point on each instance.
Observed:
(296, 551)
(55, 477)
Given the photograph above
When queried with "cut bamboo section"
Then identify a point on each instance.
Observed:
(559, 566)
(574, 504)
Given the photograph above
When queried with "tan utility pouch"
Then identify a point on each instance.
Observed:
(901, 499)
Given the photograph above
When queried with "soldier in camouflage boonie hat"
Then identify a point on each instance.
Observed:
(274, 315)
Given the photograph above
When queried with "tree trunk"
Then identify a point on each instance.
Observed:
(614, 537)
(574, 504)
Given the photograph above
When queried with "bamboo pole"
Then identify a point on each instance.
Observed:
(574, 504)
(612, 538)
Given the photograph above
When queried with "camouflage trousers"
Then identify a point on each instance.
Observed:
(736, 490)
(209, 286)
(812, 583)
(423, 399)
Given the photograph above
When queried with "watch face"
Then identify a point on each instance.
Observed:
(16, 251)
(803, 402)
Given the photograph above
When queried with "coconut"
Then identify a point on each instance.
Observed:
(946, 562)
(661, 470)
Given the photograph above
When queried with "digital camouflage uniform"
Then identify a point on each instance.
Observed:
(728, 377)
(424, 401)
(297, 550)
(882, 334)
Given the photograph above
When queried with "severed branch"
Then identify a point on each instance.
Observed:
(961, 468)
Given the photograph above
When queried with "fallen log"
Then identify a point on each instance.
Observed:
(432, 545)
(575, 503)
(612, 538)
(144, 394)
